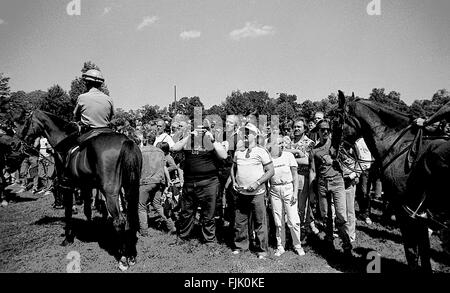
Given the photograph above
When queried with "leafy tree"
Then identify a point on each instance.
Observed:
(391, 100)
(217, 110)
(149, 113)
(308, 109)
(238, 104)
(4, 100)
(439, 99)
(185, 106)
(58, 102)
(417, 109)
(261, 102)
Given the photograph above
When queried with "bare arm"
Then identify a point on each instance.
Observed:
(268, 173)
(179, 145)
(295, 181)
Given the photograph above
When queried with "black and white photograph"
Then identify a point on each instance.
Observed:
(225, 140)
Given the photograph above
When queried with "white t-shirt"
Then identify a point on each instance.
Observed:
(363, 153)
(282, 166)
(43, 146)
(252, 168)
(164, 137)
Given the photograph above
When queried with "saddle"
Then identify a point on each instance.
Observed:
(82, 139)
(417, 148)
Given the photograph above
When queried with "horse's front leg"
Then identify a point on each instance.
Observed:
(68, 204)
(409, 235)
(424, 249)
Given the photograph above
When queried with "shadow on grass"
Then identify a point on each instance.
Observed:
(381, 234)
(358, 264)
(98, 230)
(12, 197)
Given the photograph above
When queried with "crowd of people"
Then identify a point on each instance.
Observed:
(235, 183)
(242, 184)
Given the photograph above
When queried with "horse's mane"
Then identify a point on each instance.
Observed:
(68, 127)
(391, 117)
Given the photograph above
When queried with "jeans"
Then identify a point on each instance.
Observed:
(305, 198)
(363, 194)
(332, 193)
(350, 226)
(204, 194)
(151, 192)
(280, 196)
(250, 209)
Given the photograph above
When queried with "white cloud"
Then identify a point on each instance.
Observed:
(186, 35)
(2, 21)
(252, 30)
(148, 20)
(106, 11)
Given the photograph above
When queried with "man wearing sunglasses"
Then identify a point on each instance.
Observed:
(252, 168)
(331, 189)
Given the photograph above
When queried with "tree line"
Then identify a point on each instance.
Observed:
(287, 106)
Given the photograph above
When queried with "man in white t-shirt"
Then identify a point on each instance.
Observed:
(363, 186)
(252, 167)
(46, 165)
(163, 136)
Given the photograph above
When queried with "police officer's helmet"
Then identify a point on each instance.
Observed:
(93, 75)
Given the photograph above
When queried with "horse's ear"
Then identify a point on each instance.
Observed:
(353, 95)
(341, 97)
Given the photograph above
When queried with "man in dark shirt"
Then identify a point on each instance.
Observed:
(201, 183)
(331, 188)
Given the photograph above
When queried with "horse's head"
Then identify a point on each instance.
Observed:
(345, 127)
(30, 129)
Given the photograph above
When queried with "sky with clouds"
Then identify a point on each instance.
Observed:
(210, 48)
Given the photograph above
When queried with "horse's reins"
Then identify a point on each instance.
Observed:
(412, 213)
(383, 167)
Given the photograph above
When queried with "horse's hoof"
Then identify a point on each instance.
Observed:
(132, 261)
(67, 242)
(123, 264)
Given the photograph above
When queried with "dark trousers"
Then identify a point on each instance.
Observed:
(363, 195)
(204, 194)
(250, 217)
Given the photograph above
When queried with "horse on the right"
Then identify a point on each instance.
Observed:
(416, 182)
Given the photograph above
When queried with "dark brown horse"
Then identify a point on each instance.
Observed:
(109, 162)
(415, 189)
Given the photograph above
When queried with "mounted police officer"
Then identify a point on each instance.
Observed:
(94, 109)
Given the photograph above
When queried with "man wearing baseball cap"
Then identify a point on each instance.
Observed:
(252, 168)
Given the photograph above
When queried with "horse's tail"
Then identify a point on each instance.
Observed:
(130, 160)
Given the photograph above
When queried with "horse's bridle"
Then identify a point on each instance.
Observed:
(24, 146)
(343, 117)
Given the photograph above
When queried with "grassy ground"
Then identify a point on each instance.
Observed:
(31, 233)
